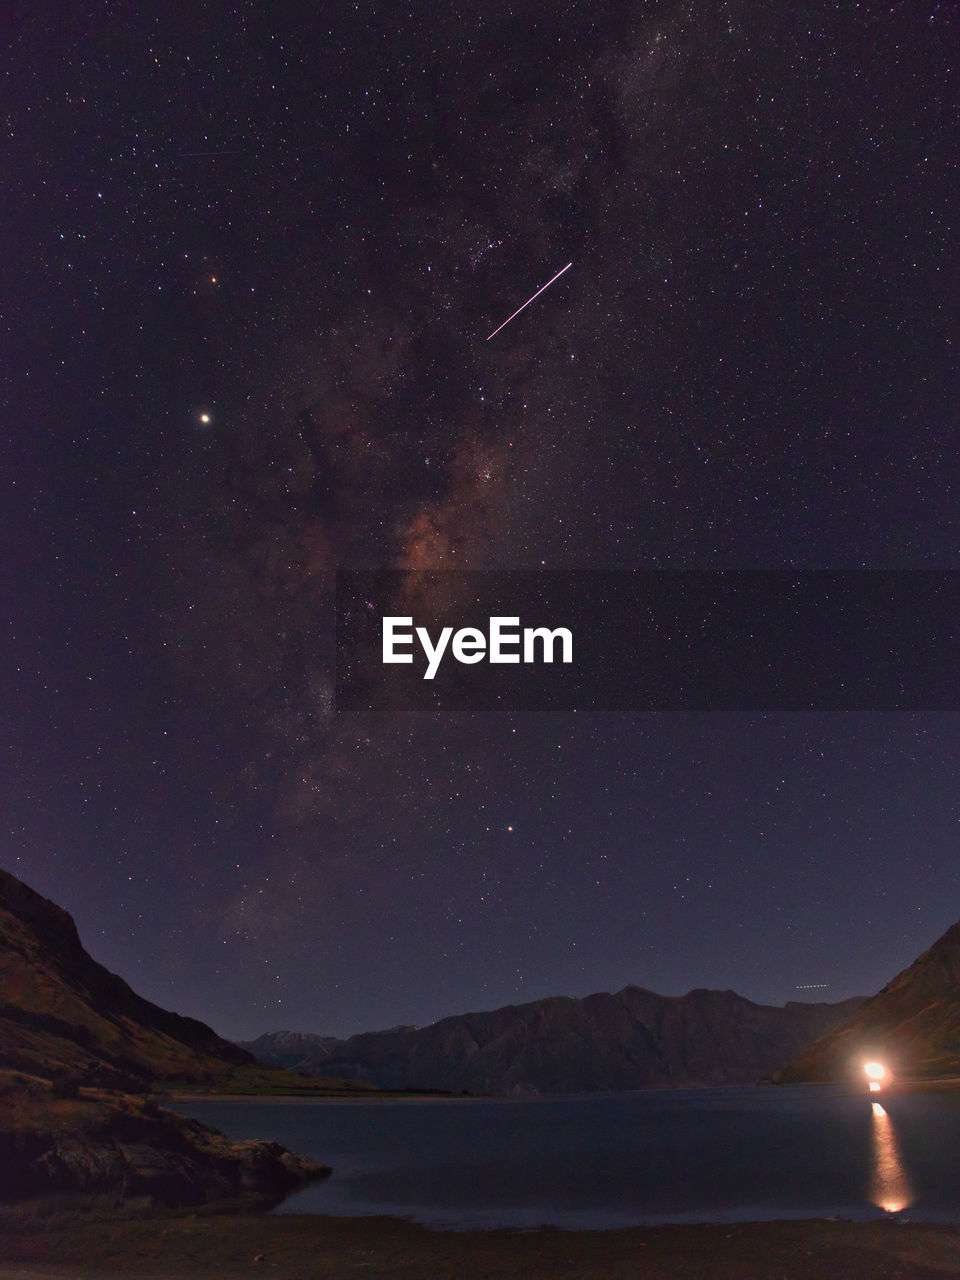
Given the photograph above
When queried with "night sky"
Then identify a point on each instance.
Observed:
(251, 256)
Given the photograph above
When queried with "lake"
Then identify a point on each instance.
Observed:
(616, 1160)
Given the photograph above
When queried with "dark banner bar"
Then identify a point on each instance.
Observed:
(866, 640)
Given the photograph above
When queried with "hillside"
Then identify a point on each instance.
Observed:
(634, 1039)
(75, 1040)
(62, 1013)
(912, 1025)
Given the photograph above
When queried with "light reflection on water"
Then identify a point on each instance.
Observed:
(890, 1187)
(606, 1161)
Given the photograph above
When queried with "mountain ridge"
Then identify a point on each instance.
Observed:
(603, 1042)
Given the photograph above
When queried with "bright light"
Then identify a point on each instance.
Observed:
(204, 418)
(874, 1087)
(874, 1070)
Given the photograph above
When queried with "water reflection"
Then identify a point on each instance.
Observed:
(890, 1188)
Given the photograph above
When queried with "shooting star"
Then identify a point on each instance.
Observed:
(529, 300)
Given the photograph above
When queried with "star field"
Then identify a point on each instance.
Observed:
(254, 256)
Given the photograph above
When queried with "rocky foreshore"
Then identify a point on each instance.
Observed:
(131, 1150)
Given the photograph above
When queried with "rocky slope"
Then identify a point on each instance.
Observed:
(632, 1040)
(61, 1013)
(912, 1025)
(72, 1036)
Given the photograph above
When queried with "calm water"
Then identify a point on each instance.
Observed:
(705, 1156)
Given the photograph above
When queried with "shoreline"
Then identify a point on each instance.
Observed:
(170, 1099)
(899, 1089)
(299, 1247)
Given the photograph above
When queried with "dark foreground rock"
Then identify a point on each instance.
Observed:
(123, 1149)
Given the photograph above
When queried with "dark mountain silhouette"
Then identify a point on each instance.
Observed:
(62, 1013)
(632, 1040)
(74, 1041)
(912, 1025)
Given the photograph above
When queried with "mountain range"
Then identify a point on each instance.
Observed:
(79, 1049)
(633, 1039)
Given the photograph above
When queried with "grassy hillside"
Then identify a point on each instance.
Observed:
(912, 1025)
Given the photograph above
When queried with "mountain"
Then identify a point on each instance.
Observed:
(632, 1040)
(62, 1013)
(912, 1025)
(291, 1048)
(74, 1040)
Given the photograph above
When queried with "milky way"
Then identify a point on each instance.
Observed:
(257, 257)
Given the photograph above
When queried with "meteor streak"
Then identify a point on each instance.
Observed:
(529, 300)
